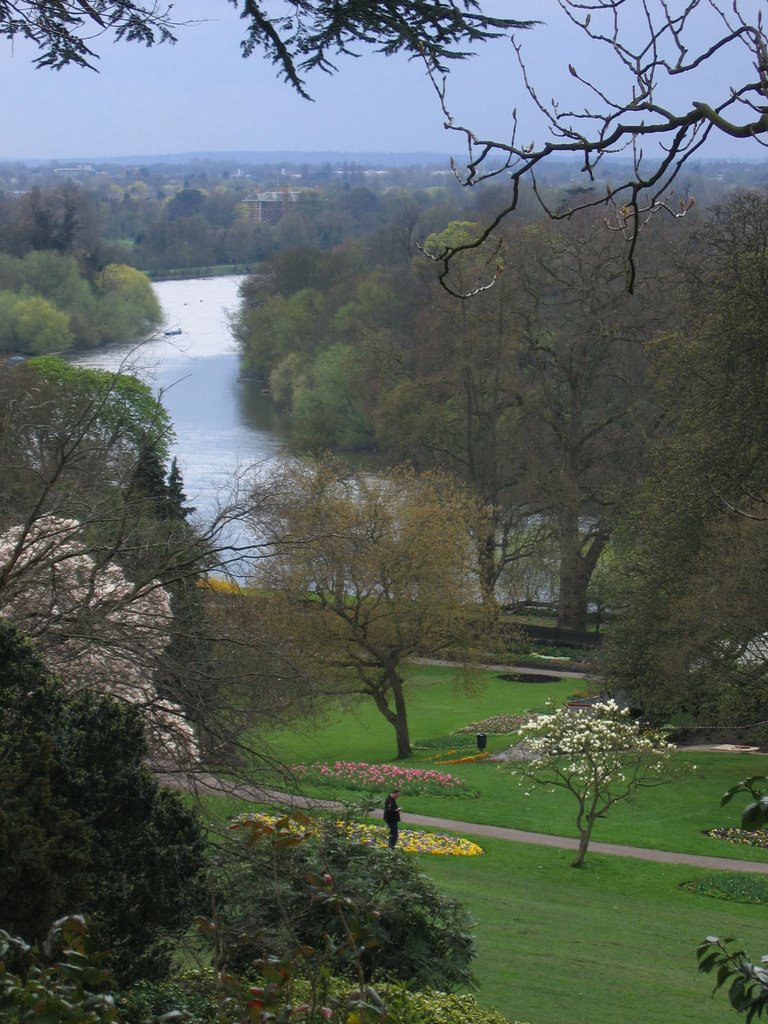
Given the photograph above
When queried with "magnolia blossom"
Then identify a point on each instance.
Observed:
(93, 627)
(597, 754)
(593, 743)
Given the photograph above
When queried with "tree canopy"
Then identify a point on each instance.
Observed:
(691, 639)
(363, 572)
(308, 35)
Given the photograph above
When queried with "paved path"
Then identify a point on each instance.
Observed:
(565, 843)
(522, 670)
(206, 784)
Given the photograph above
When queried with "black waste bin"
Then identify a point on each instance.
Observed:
(482, 740)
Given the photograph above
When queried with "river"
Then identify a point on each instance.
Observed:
(221, 423)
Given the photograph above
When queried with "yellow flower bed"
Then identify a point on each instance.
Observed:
(469, 759)
(415, 842)
(410, 841)
(219, 586)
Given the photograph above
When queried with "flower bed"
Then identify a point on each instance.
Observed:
(467, 759)
(500, 725)
(410, 841)
(362, 777)
(741, 837)
(736, 886)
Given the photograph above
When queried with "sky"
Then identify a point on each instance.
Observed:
(202, 96)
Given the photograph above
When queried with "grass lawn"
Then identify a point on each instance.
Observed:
(670, 817)
(612, 943)
(438, 703)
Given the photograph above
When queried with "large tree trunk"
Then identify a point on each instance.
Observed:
(584, 837)
(487, 564)
(574, 577)
(572, 606)
(578, 558)
(400, 719)
(403, 738)
(396, 717)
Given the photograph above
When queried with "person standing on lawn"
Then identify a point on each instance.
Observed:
(392, 816)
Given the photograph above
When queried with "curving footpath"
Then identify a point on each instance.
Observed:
(523, 670)
(566, 843)
(202, 783)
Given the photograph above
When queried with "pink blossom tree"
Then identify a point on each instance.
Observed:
(94, 628)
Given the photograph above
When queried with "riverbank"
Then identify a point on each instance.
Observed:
(195, 273)
(220, 425)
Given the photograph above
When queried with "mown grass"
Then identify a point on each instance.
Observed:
(438, 704)
(670, 817)
(611, 943)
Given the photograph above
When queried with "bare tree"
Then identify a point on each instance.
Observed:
(718, 49)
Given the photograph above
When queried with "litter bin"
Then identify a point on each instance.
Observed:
(482, 740)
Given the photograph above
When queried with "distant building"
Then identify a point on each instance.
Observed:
(75, 173)
(269, 207)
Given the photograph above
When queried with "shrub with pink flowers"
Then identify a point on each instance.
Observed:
(362, 777)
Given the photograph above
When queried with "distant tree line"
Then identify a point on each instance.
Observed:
(616, 439)
(59, 286)
(535, 392)
(167, 221)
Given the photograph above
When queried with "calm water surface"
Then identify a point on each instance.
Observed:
(222, 424)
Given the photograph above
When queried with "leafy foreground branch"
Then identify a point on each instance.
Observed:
(747, 981)
(70, 989)
(307, 36)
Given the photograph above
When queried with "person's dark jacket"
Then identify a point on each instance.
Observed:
(391, 810)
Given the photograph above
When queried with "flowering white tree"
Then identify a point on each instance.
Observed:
(94, 542)
(93, 627)
(598, 754)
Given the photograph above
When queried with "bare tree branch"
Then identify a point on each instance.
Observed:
(692, 43)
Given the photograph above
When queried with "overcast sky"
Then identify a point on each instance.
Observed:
(200, 95)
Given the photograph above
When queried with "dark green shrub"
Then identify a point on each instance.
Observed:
(191, 994)
(421, 935)
(84, 825)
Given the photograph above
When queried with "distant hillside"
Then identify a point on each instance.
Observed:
(267, 157)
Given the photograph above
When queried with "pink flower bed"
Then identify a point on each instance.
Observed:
(361, 776)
